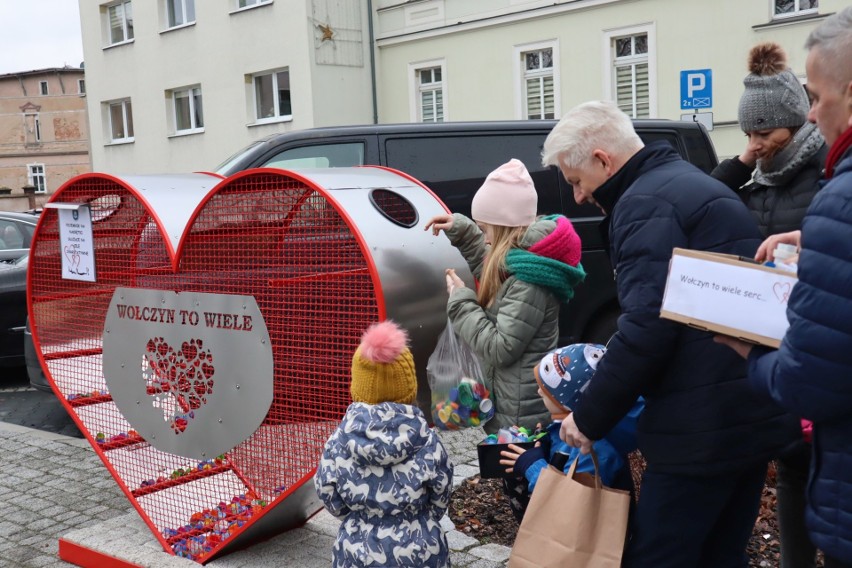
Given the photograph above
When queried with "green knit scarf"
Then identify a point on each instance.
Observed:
(558, 277)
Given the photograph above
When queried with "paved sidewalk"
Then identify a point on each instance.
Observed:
(54, 486)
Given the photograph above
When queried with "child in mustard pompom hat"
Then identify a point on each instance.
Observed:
(384, 471)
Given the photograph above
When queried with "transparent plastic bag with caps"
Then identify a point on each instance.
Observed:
(459, 397)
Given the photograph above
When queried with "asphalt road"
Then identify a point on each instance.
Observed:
(25, 406)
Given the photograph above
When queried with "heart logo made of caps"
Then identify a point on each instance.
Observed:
(178, 380)
(263, 235)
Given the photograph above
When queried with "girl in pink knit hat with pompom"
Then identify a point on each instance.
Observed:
(526, 267)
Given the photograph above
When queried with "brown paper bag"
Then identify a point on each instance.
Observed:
(572, 522)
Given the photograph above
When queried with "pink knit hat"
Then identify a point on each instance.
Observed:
(507, 197)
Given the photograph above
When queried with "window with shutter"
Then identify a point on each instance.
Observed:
(630, 70)
(789, 8)
(539, 98)
(431, 95)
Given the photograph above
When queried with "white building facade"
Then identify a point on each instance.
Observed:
(178, 85)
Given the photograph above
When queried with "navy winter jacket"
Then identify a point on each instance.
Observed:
(701, 417)
(811, 373)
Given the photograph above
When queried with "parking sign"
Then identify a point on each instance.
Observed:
(696, 89)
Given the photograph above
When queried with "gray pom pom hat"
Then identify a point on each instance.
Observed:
(773, 98)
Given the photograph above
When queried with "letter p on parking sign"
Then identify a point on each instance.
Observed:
(696, 89)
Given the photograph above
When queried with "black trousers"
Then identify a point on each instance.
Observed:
(686, 521)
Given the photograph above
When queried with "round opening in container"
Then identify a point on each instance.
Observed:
(394, 207)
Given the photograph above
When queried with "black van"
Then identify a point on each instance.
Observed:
(453, 159)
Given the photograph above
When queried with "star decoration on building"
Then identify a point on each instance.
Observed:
(327, 32)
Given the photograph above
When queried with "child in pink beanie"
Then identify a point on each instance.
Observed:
(526, 268)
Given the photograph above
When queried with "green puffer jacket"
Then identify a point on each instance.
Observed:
(510, 337)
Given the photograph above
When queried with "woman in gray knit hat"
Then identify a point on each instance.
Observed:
(776, 176)
(777, 173)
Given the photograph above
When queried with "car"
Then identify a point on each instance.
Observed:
(453, 159)
(13, 311)
(16, 234)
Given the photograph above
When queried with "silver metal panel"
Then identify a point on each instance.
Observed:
(410, 262)
(172, 197)
(191, 372)
(351, 178)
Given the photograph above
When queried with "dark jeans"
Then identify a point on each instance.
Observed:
(685, 521)
(793, 466)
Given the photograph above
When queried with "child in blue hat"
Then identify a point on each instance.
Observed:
(562, 377)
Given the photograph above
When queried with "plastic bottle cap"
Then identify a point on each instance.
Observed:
(784, 251)
(485, 405)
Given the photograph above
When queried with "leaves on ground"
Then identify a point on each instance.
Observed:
(480, 509)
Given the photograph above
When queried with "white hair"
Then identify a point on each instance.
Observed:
(833, 39)
(587, 127)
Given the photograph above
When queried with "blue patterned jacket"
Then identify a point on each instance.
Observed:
(388, 476)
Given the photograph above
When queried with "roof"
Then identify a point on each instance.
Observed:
(45, 71)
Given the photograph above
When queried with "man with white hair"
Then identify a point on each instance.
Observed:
(811, 373)
(706, 436)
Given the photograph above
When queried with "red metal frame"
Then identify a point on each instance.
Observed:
(268, 233)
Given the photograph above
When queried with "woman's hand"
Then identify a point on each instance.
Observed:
(748, 157)
(453, 281)
(511, 456)
(767, 247)
(439, 222)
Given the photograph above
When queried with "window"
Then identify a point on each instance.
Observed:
(36, 177)
(13, 237)
(188, 111)
(631, 63)
(465, 160)
(120, 121)
(32, 128)
(319, 156)
(248, 3)
(42, 87)
(180, 12)
(538, 83)
(430, 94)
(81, 86)
(272, 95)
(788, 8)
(120, 22)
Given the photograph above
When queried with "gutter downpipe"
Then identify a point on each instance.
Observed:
(372, 61)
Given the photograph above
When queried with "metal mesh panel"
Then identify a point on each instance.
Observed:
(263, 235)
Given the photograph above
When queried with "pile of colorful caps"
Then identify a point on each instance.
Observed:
(514, 435)
(465, 405)
(92, 394)
(183, 471)
(101, 438)
(208, 528)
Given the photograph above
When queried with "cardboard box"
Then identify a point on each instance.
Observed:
(728, 295)
(489, 459)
